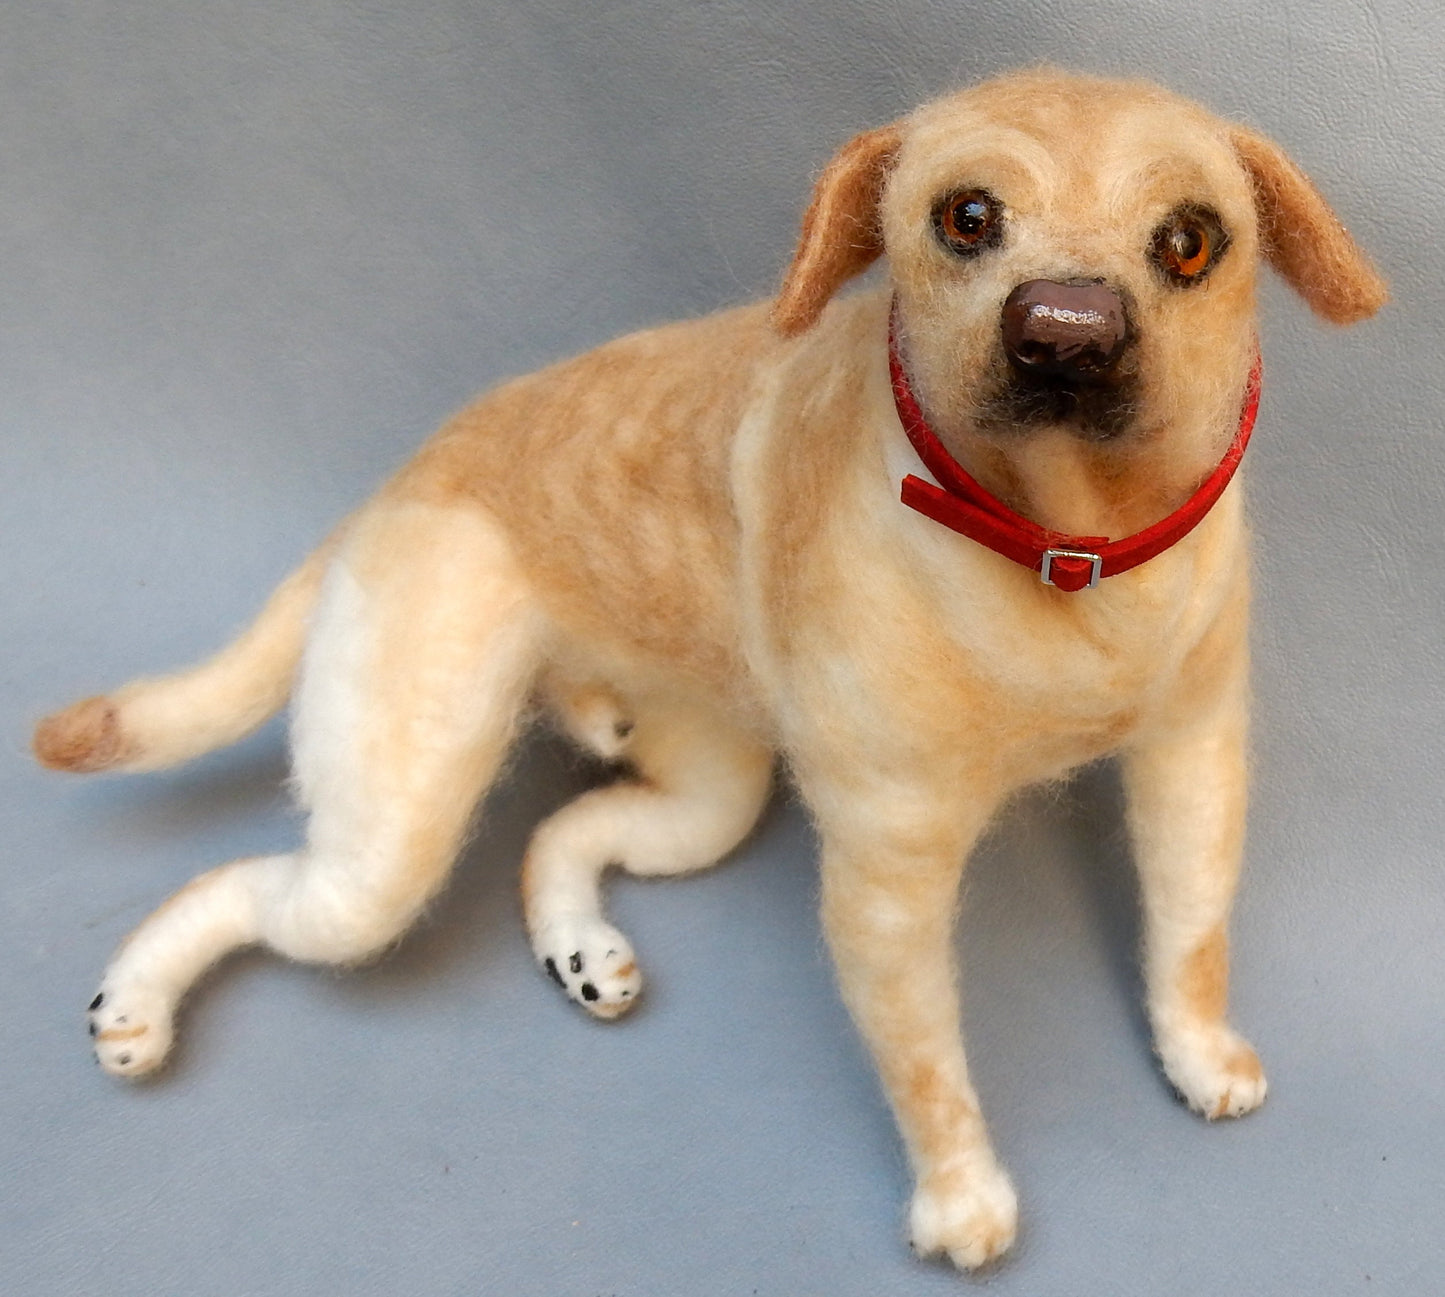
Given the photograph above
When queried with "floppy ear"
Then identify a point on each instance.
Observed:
(840, 235)
(1304, 240)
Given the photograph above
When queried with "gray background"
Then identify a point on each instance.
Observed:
(252, 253)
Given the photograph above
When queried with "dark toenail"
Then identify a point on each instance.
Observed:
(123, 1060)
(625, 994)
(589, 992)
(98, 1001)
(575, 963)
(92, 1028)
(622, 729)
(550, 965)
(121, 1018)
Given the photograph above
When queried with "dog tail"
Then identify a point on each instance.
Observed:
(153, 723)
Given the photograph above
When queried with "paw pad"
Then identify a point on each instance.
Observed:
(130, 1031)
(591, 961)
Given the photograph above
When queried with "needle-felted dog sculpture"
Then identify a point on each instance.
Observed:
(931, 542)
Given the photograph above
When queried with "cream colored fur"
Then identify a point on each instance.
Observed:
(688, 546)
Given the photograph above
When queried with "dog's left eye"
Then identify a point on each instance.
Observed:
(969, 220)
(1189, 243)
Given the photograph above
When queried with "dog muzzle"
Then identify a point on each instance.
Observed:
(1066, 562)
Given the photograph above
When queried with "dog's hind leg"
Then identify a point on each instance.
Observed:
(425, 644)
(699, 786)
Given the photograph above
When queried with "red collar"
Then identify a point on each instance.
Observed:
(1066, 562)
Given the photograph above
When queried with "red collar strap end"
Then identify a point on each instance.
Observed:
(1066, 562)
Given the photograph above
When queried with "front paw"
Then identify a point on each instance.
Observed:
(971, 1216)
(1216, 1072)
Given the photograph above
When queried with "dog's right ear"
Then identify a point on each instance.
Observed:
(1304, 240)
(840, 235)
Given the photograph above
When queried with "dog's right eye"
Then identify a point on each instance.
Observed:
(968, 221)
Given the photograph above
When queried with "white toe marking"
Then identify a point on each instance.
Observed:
(131, 1029)
(592, 962)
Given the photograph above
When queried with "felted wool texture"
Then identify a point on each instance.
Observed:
(694, 531)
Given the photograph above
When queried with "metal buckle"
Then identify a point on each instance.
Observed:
(1095, 563)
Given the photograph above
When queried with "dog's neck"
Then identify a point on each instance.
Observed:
(1073, 537)
(1076, 486)
(1069, 485)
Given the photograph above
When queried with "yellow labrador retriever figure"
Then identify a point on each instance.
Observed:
(689, 545)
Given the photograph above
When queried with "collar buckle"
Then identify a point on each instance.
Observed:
(1095, 562)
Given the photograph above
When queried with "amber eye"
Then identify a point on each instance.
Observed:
(1189, 243)
(969, 220)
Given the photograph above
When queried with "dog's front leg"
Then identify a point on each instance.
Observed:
(890, 888)
(1186, 792)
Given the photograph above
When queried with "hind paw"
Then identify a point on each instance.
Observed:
(130, 1029)
(591, 961)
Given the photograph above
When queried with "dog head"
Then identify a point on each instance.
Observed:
(1074, 255)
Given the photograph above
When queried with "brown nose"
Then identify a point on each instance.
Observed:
(1074, 333)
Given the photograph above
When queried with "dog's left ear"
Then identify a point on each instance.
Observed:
(1304, 240)
(840, 235)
